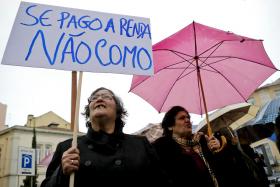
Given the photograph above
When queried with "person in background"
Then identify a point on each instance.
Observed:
(105, 156)
(250, 152)
(238, 168)
(259, 159)
(187, 158)
(277, 130)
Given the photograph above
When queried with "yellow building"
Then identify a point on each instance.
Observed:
(50, 130)
(265, 93)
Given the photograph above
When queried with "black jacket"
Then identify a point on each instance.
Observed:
(106, 160)
(180, 167)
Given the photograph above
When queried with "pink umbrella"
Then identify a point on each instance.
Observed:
(203, 68)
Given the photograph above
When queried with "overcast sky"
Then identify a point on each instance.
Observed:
(37, 91)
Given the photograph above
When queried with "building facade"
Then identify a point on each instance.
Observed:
(50, 130)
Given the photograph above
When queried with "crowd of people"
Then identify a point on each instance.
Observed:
(107, 156)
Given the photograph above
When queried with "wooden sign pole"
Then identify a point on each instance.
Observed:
(76, 123)
(73, 98)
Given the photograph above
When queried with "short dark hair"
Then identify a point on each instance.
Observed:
(169, 119)
(121, 113)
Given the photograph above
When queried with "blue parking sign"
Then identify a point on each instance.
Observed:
(26, 161)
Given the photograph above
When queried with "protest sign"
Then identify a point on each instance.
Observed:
(62, 38)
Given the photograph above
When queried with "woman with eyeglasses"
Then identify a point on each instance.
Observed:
(105, 155)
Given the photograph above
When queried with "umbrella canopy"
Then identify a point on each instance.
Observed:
(263, 125)
(202, 68)
(269, 112)
(266, 114)
(231, 115)
(253, 133)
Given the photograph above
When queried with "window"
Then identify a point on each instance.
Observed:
(39, 153)
(42, 151)
(48, 149)
(266, 148)
(269, 153)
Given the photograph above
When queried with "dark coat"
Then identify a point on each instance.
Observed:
(181, 168)
(238, 169)
(108, 160)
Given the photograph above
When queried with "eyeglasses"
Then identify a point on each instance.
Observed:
(103, 96)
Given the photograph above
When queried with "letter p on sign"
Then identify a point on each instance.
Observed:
(26, 161)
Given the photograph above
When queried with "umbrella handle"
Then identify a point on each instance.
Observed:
(224, 143)
(223, 138)
(210, 133)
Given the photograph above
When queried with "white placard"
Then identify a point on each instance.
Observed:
(26, 161)
(79, 40)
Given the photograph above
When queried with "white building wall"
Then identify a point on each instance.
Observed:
(14, 141)
(22, 137)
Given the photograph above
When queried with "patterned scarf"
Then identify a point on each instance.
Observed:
(195, 145)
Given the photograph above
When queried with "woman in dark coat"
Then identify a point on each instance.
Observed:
(105, 156)
(188, 158)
